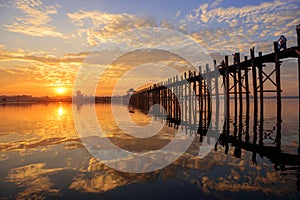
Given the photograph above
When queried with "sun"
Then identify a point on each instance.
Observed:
(60, 90)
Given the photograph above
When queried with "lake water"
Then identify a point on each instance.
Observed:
(42, 156)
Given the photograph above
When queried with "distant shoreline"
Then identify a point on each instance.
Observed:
(36, 101)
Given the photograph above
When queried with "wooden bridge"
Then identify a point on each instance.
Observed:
(196, 111)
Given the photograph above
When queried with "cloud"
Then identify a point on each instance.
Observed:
(215, 3)
(5, 4)
(178, 13)
(35, 20)
(2, 46)
(38, 71)
(34, 56)
(235, 28)
(100, 26)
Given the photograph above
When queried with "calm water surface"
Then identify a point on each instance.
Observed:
(42, 157)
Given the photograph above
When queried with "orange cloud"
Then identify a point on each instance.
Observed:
(25, 73)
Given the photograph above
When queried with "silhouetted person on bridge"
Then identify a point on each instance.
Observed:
(282, 42)
(221, 65)
(234, 58)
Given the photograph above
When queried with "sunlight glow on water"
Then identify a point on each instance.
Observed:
(60, 110)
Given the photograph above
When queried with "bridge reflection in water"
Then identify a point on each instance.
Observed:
(241, 138)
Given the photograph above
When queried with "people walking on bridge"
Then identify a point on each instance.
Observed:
(282, 42)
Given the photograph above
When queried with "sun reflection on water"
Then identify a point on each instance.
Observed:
(60, 110)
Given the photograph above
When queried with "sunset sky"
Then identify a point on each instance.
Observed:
(44, 43)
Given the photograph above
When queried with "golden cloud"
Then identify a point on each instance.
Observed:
(35, 20)
(100, 25)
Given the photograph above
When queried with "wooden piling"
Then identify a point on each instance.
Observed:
(185, 98)
(253, 64)
(278, 92)
(227, 96)
(240, 85)
(247, 137)
(209, 88)
(195, 99)
(200, 101)
(298, 44)
(204, 101)
(181, 98)
(217, 108)
(261, 102)
(261, 90)
(235, 96)
(189, 97)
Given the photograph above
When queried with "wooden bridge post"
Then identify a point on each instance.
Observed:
(195, 99)
(261, 97)
(174, 100)
(227, 132)
(253, 64)
(261, 88)
(169, 95)
(235, 86)
(209, 88)
(224, 92)
(227, 96)
(200, 101)
(216, 84)
(217, 108)
(190, 100)
(148, 99)
(181, 98)
(158, 94)
(247, 137)
(163, 97)
(278, 91)
(204, 99)
(166, 98)
(240, 95)
(298, 44)
(185, 98)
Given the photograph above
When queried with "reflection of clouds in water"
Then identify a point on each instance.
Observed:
(105, 178)
(34, 179)
(99, 183)
(232, 182)
(3, 156)
(223, 173)
(27, 147)
(214, 175)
